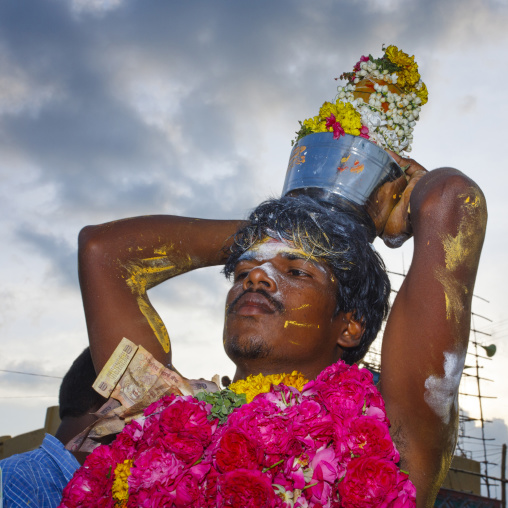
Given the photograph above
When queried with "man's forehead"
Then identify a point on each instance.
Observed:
(269, 248)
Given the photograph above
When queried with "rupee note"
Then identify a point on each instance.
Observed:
(132, 379)
(139, 376)
(115, 368)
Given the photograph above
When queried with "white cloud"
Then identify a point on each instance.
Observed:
(20, 93)
(97, 7)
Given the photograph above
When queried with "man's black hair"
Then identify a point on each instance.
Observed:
(335, 237)
(77, 397)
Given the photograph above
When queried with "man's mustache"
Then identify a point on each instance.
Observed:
(278, 306)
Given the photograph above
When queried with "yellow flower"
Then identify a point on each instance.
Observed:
(254, 385)
(398, 57)
(408, 76)
(315, 124)
(349, 118)
(327, 109)
(120, 484)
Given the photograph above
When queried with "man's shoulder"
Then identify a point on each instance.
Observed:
(38, 475)
(19, 461)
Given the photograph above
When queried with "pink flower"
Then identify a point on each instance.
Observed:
(369, 436)
(246, 488)
(370, 481)
(292, 472)
(312, 424)
(187, 488)
(364, 132)
(357, 67)
(375, 405)
(407, 493)
(94, 477)
(338, 131)
(343, 399)
(333, 371)
(156, 407)
(154, 467)
(237, 450)
(330, 121)
(182, 427)
(326, 472)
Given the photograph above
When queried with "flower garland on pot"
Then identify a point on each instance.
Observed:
(381, 102)
(326, 444)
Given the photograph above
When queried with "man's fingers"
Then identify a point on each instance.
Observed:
(410, 165)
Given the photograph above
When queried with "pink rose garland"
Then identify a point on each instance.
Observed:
(326, 446)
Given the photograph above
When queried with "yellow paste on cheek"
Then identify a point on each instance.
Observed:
(303, 325)
(304, 306)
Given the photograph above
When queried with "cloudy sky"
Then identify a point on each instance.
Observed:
(115, 108)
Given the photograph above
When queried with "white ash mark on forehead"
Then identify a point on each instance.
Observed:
(266, 250)
(441, 393)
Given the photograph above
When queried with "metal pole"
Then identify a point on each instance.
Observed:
(481, 412)
(503, 477)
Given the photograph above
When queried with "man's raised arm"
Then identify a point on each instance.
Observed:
(426, 336)
(119, 261)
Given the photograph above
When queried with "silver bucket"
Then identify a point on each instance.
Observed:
(350, 173)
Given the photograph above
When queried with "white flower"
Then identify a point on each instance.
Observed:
(372, 119)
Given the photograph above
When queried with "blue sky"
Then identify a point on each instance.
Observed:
(117, 108)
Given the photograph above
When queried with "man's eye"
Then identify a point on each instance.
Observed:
(298, 273)
(240, 276)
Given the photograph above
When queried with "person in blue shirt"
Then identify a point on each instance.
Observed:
(37, 478)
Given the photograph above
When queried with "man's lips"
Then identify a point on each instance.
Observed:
(251, 303)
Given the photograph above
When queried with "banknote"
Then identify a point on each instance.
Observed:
(115, 367)
(140, 375)
(132, 379)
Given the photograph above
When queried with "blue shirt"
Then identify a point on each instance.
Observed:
(37, 478)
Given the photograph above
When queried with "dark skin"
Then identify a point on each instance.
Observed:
(426, 335)
(71, 426)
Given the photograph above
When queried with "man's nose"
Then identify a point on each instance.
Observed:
(259, 278)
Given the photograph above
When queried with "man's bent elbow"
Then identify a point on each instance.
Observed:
(448, 194)
(91, 245)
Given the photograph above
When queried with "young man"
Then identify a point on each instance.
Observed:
(308, 290)
(37, 478)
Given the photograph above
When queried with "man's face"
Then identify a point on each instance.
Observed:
(280, 312)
